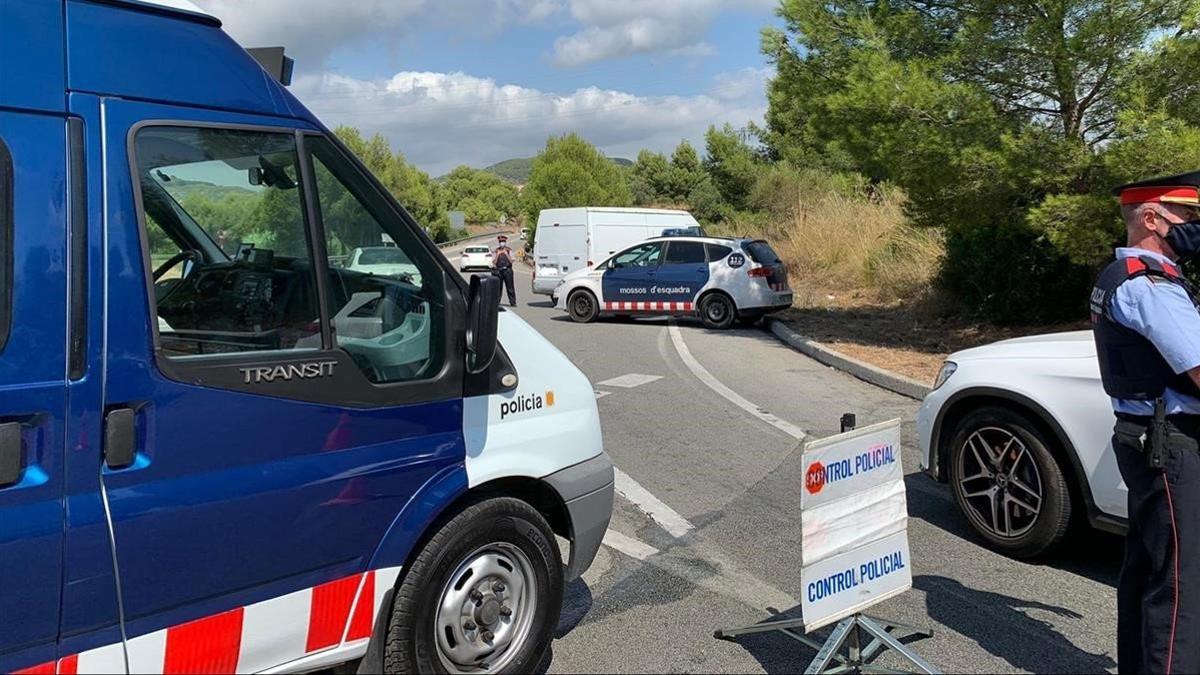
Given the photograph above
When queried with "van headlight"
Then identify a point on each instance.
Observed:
(944, 374)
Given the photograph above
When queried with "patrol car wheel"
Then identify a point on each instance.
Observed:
(483, 595)
(1007, 483)
(717, 311)
(583, 307)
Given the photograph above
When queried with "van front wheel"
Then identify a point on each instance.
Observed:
(483, 595)
(583, 307)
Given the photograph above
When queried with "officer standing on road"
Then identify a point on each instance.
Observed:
(1147, 331)
(503, 260)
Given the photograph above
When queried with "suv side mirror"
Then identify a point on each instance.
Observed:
(483, 317)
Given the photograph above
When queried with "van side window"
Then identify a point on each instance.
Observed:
(231, 262)
(385, 289)
(6, 242)
(684, 253)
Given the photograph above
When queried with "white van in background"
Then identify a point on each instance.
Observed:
(572, 239)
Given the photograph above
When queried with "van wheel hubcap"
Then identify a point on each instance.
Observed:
(717, 311)
(486, 610)
(1000, 485)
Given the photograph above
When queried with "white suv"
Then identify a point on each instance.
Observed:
(1022, 430)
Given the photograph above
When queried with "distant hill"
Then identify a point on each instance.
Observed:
(181, 188)
(518, 170)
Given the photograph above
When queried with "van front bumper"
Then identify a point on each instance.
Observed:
(587, 491)
(545, 285)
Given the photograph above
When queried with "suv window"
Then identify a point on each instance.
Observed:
(386, 305)
(684, 253)
(717, 252)
(643, 255)
(761, 252)
(230, 257)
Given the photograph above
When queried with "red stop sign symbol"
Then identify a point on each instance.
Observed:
(814, 479)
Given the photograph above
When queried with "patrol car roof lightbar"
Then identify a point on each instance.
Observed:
(274, 62)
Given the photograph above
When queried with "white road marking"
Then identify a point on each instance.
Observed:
(728, 394)
(640, 497)
(630, 381)
(628, 545)
(602, 394)
(707, 567)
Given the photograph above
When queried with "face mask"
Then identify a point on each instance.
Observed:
(1184, 239)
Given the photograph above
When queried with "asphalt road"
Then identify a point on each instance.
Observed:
(709, 448)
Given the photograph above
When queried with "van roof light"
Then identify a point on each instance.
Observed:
(274, 62)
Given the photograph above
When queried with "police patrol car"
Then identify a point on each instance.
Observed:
(720, 279)
(221, 448)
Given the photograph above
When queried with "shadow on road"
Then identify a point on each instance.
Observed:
(1001, 625)
(577, 602)
(1089, 553)
(778, 653)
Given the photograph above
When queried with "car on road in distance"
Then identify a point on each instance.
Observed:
(1021, 430)
(475, 258)
(385, 261)
(315, 450)
(721, 280)
(567, 240)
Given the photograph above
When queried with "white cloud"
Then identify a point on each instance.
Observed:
(312, 29)
(620, 28)
(441, 120)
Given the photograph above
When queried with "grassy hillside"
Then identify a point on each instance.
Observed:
(181, 188)
(517, 170)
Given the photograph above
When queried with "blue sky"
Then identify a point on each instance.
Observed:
(473, 82)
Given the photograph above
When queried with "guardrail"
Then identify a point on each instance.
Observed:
(463, 240)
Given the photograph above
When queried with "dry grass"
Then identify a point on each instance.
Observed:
(841, 234)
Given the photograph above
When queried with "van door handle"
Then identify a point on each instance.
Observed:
(120, 438)
(10, 453)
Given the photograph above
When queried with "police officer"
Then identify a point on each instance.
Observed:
(503, 260)
(1147, 331)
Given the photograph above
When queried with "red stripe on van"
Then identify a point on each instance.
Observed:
(330, 609)
(208, 645)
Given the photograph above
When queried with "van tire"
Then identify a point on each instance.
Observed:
(509, 526)
(582, 306)
(717, 311)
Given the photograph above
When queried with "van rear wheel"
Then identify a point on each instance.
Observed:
(483, 595)
(583, 307)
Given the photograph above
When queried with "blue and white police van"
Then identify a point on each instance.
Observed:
(220, 448)
(720, 279)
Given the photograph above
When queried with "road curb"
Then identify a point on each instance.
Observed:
(905, 386)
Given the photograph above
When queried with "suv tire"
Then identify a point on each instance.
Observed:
(1007, 483)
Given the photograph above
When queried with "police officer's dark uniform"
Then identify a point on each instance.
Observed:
(504, 269)
(1147, 331)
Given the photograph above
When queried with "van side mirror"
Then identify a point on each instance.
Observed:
(483, 317)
